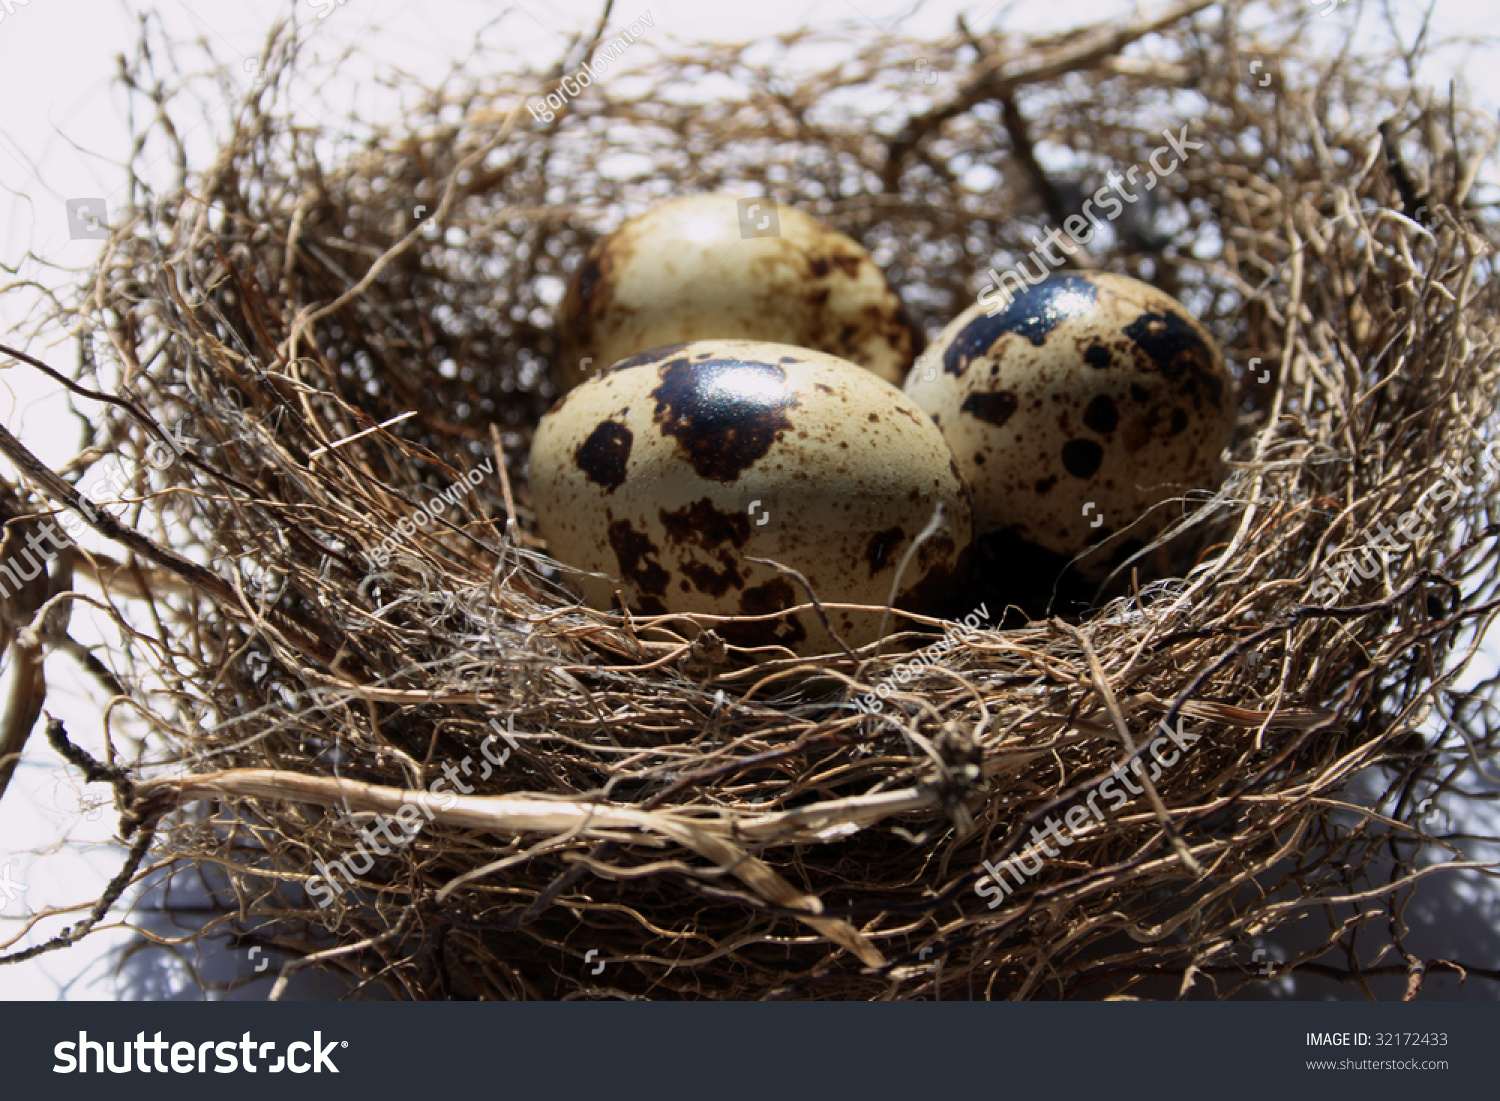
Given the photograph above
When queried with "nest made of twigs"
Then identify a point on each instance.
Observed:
(712, 827)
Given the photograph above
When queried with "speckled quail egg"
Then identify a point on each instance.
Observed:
(675, 467)
(709, 267)
(1076, 411)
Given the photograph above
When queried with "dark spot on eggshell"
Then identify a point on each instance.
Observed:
(703, 525)
(944, 573)
(603, 456)
(881, 544)
(634, 552)
(1032, 314)
(847, 262)
(1139, 393)
(1179, 422)
(1044, 485)
(583, 301)
(1097, 355)
(773, 596)
(724, 413)
(1174, 346)
(717, 534)
(823, 387)
(714, 582)
(646, 358)
(818, 266)
(1101, 415)
(1082, 457)
(993, 409)
(591, 274)
(1138, 431)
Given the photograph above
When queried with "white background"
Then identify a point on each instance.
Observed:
(64, 138)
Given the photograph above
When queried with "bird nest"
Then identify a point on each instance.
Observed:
(443, 776)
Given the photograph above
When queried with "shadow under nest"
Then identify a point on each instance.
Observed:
(714, 827)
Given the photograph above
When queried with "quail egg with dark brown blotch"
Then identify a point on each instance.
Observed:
(663, 477)
(706, 267)
(1080, 413)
